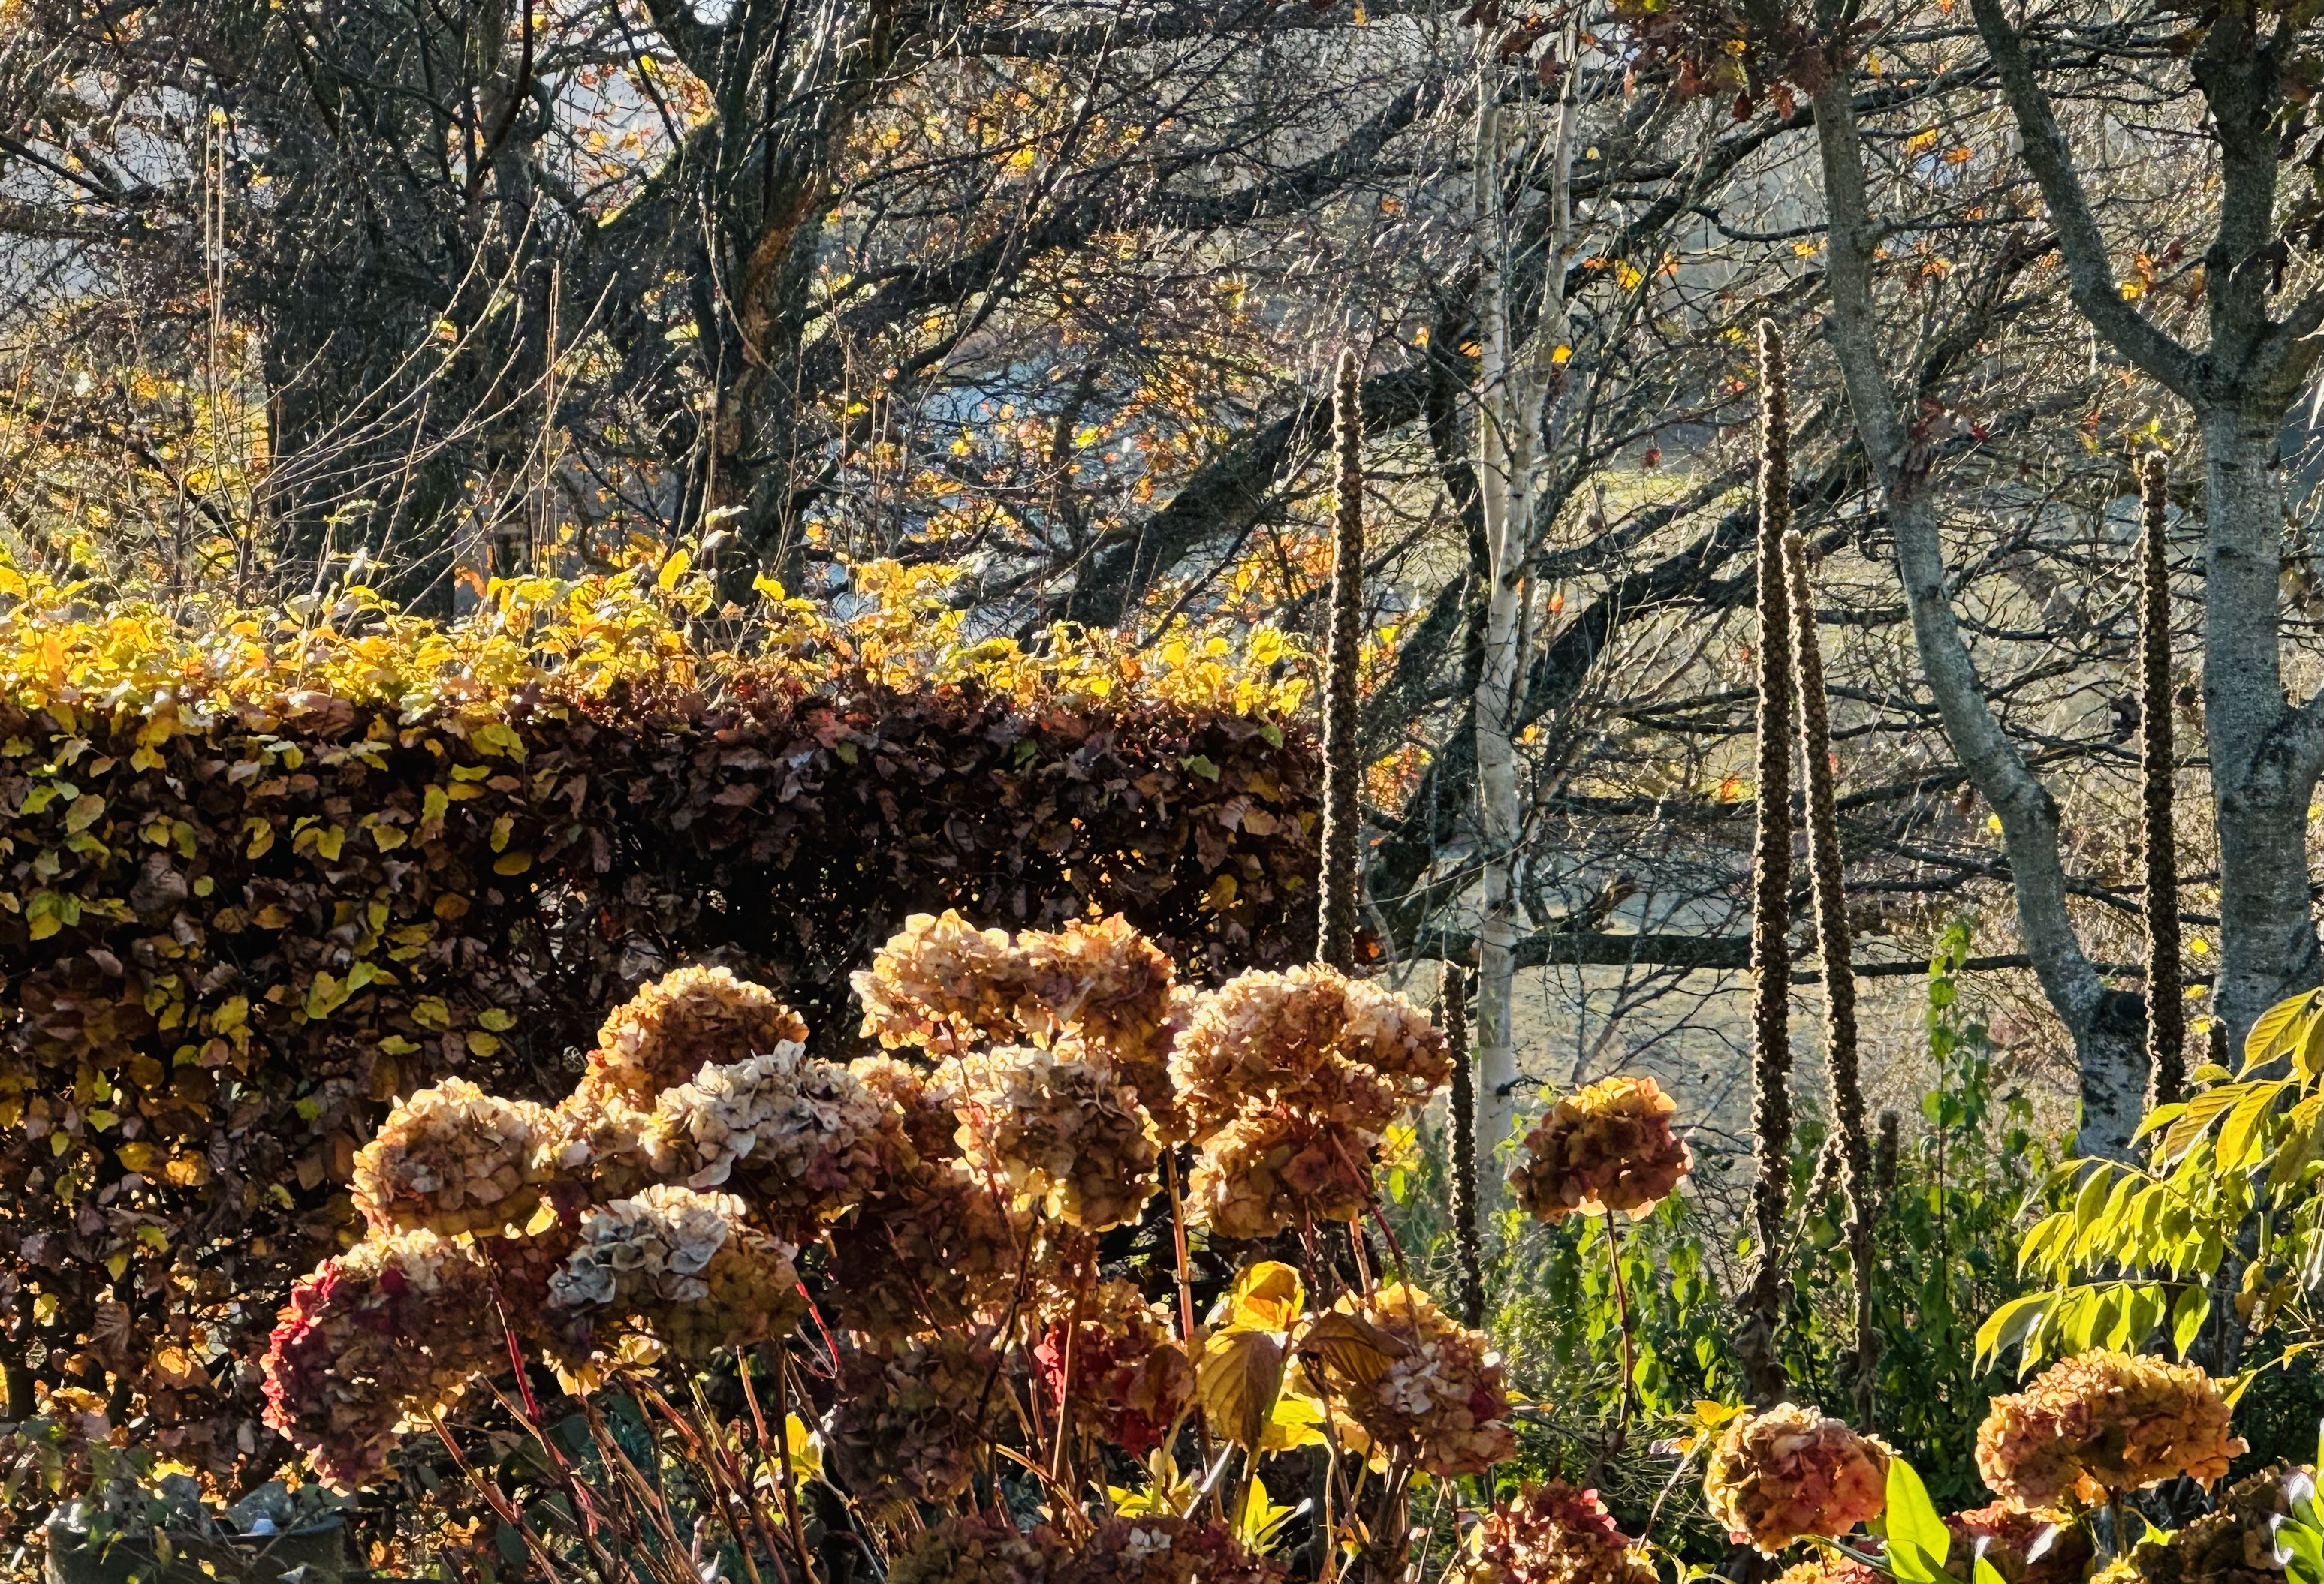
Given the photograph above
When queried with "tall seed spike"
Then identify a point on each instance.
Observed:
(2166, 1007)
(1453, 1013)
(1336, 905)
(1771, 884)
(1836, 941)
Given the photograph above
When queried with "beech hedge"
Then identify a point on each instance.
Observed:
(230, 936)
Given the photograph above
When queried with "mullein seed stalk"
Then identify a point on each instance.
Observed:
(1771, 884)
(2166, 1006)
(1836, 941)
(1336, 921)
(1452, 1013)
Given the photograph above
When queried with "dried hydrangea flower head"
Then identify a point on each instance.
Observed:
(935, 1247)
(1112, 991)
(397, 1326)
(682, 1264)
(1311, 1042)
(1831, 1567)
(593, 1146)
(2008, 1536)
(1552, 1534)
(981, 1549)
(1263, 1172)
(941, 984)
(1111, 1356)
(2102, 1424)
(450, 1159)
(684, 1020)
(1066, 1137)
(1154, 1549)
(804, 1133)
(2236, 1542)
(922, 1126)
(1438, 1398)
(1789, 1473)
(907, 1423)
(1606, 1147)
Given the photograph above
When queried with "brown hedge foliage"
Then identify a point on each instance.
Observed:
(226, 944)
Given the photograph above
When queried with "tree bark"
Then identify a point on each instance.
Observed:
(2266, 752)
(2108, 1046)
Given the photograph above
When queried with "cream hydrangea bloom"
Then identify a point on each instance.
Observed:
(1068, 1137)
(450, 1159)
(804, 1130)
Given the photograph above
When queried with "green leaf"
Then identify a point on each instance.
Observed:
(2187, 1317)
(2196, 1120)
(2240, 1131)
(1985, 1573)
(2007, 1326)
(1913, 1518)
(2275, 1032)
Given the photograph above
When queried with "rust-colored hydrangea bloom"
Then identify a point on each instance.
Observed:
(398, 1325)
(1310, 1043)
(1115, 1357)
(2102, 1424)
(907, 1423)
(804, 1133)
(1606, 1146)
(1552, 1535)
(1067, 1136)
(1155, 1550)
(1789, 1473)
(1439, 1400)
(450, 1159)
(933, 1247)
(942, 984)
(682, 1022)
(2235, 1543)
(682, 1264)
(1114, 992)
(981, 1549)
(1262, 1173)
(2003, 1536)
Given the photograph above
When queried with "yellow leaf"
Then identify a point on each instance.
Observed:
(139, 1157)
(673, 569)
(1265, 1296)
(430, 1012)
(481, 1043)
(513, 863)
(497, 1019)
(1237, 1381)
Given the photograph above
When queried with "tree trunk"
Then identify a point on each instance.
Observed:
(2263, 765)
(2112, 1059)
